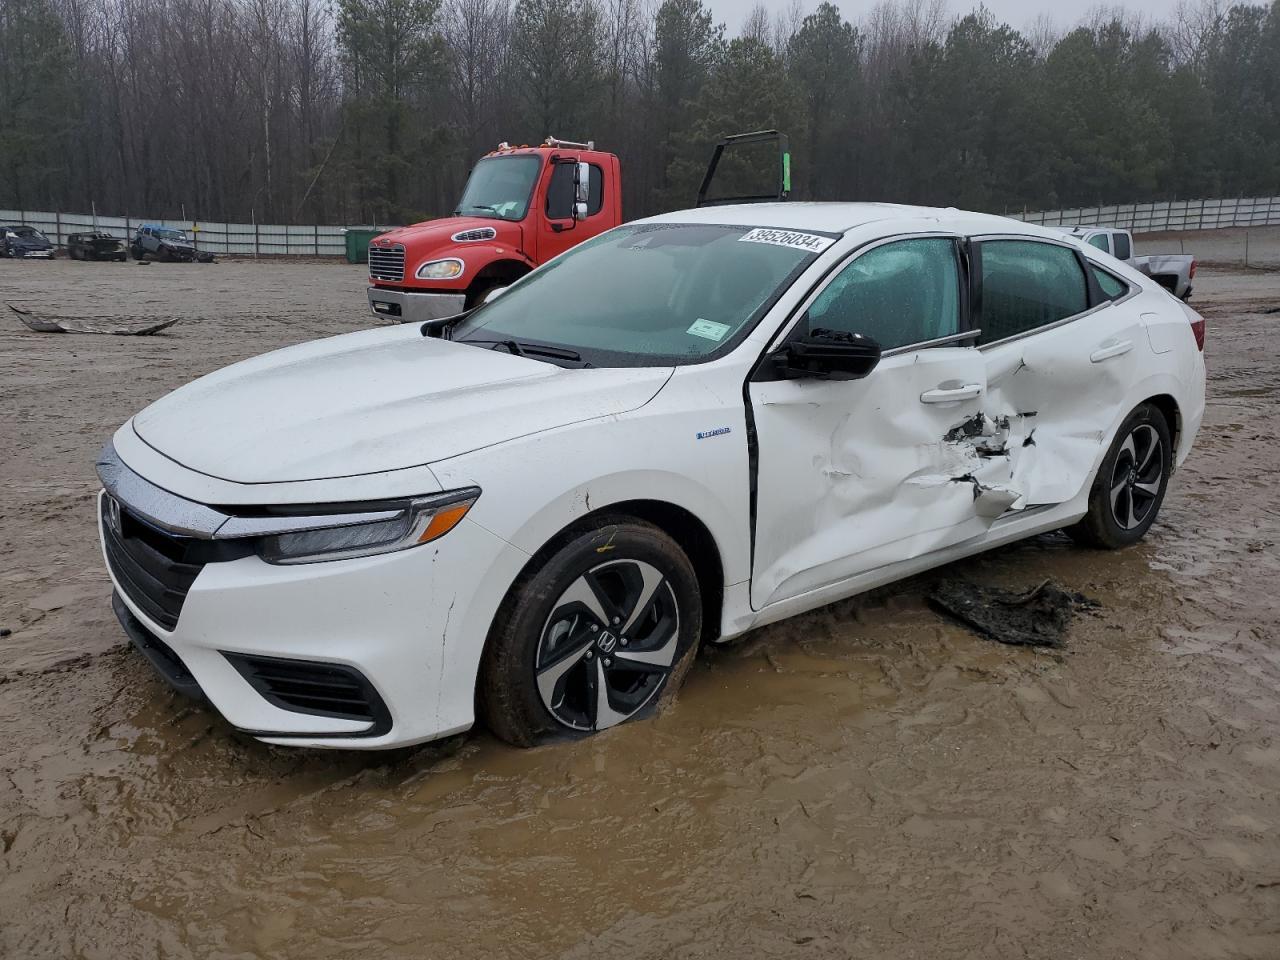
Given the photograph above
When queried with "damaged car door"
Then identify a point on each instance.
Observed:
(1062, 351)
(856, 474)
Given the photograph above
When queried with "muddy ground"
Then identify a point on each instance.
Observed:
(865, 781)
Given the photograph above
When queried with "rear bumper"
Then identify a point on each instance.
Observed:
(410, 307)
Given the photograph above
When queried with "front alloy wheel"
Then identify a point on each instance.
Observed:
(593, 637)
(608, 645)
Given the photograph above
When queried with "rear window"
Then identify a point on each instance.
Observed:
(1113, 288)
(1028, 284)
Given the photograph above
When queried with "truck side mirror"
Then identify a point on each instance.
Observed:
(581, 190)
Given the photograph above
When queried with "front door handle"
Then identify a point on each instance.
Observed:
(1112, 348)
(948, 394)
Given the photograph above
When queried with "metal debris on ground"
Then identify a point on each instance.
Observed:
(144, 327)
(1037, 618)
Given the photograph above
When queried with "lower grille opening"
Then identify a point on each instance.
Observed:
(315, 688)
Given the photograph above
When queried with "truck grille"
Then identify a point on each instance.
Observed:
(153, 568)
(386, 263)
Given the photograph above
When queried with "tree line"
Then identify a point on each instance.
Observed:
(350, 111)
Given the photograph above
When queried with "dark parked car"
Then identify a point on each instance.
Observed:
(17, 240)
(165, 243)
(95, 245)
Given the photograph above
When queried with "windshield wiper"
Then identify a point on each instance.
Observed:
(521, 348)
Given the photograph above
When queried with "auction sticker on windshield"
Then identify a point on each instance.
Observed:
(708, 329)
(811, 242)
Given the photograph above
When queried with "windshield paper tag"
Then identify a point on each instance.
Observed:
(810, 242)
(708, 329)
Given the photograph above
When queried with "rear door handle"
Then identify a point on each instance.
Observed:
(947, 394)
(1112, 348)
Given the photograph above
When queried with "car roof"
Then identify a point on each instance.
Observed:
(843, 217)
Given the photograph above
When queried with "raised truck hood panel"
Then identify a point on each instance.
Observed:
(374, 401)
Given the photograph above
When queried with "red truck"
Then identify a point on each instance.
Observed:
(521, 207)
(524, 205)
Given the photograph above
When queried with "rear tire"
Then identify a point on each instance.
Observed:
(1130, 484)
(598, 635)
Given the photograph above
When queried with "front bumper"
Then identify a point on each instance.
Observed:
(406, 306)
(402, 632)
(46, 254)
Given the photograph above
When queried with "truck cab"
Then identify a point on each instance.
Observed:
(521, 207)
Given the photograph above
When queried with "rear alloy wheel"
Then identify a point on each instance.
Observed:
(593, 638)
(1130, 484)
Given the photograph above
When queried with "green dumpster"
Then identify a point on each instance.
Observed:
(358, 243)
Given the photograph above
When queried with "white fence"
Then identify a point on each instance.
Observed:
(1167, 216)
(265, 239)
(237, 239)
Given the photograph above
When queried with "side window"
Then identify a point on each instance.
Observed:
(560, 192)
(1027, 284)
(1113, 288)
(1123, 250)
(595, 196)
(1099, 240)
(898, 294)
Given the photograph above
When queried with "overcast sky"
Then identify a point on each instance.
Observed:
(1019, 13)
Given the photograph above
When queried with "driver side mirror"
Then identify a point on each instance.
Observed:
(581, 190)
(824, 354)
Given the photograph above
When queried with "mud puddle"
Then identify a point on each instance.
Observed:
(866, 780)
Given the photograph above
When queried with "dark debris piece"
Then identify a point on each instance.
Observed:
(1038, 618)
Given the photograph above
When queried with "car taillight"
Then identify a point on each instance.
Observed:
(1197, 328)
(1192, 275)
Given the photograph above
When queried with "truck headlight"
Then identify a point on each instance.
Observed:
(419, 521)
(441, 269)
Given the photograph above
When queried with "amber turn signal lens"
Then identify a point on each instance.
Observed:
(444, 520)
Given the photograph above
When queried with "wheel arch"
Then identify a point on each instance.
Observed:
(1168, 407)
(683, 526)
(499, 272)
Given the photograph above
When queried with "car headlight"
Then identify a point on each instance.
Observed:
(441, 269)
(390, 528)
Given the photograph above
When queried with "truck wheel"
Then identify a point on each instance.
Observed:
(476, 295)
(1130, 484)
(596, 636)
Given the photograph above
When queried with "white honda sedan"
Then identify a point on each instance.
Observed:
(679, 430)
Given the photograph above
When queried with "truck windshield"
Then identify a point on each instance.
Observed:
(500, 187)
(647, 294)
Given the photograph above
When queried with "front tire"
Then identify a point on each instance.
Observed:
(596, 636)
(1130, 484)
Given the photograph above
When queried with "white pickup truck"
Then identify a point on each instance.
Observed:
(1174, 272)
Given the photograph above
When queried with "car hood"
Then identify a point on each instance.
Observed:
(30, 243)
(421, 239)
(372, 402)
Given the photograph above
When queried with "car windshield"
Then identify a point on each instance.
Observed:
(29, 232)
(646, 294)
(500, 187)
(165, 233)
